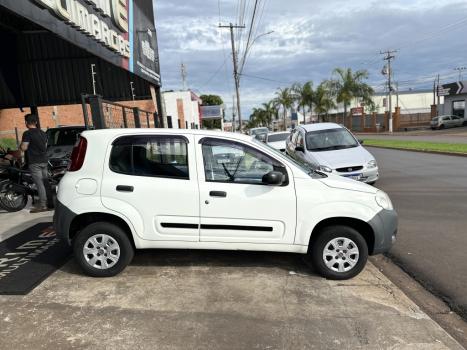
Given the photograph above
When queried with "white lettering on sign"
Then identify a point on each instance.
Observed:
(148, 52)
(77, 15)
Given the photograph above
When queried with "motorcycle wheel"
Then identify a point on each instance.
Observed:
(12, 200)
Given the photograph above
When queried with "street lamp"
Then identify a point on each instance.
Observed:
(247, 49)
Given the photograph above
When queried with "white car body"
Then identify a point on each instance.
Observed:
(281, 138)
(355, 162)
(165, 212)
(446, 121)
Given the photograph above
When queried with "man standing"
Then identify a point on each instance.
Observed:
(34, 144)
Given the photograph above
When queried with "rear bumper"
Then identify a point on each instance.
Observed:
(62, 221)
(384, 225)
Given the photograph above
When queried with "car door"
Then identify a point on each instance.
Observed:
(300, 155)
(235, 205)
(152, 180)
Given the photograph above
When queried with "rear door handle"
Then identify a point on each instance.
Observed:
(221, 194)
(121, 188)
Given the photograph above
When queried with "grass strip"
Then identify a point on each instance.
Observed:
(419, 145)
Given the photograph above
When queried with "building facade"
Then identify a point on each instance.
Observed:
(182, 109)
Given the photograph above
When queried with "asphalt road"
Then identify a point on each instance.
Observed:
(430, 194)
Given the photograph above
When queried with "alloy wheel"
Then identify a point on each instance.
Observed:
(341, 254)
(101, 251)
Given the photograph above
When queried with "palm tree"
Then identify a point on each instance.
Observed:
(323, 99)
(348, 85)
(270, 111)
(285, 99)
(303, 95)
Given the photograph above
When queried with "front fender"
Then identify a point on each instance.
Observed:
(311, 217)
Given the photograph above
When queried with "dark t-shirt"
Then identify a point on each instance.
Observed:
(37, 149)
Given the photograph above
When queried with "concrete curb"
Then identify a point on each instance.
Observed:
(420, 151)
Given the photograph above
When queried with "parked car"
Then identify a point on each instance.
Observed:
(260, 134)
(277, 140)
(132, 189)
(60, 143)
(446, 121)
(332, 148)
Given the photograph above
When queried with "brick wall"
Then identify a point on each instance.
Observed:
(53, 116)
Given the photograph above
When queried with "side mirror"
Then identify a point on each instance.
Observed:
(361, 141)
(273, 178)
(299, 149)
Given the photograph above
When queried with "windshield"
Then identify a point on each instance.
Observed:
(330, 139)
(63, 137)
(278, 137)
(307, 168)
(435, 119)
(254, 132)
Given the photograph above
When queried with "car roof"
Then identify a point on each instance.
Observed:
(159, 131)
(278, 133)
(320, 126)
(68, 127)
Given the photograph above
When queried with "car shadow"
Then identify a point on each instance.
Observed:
(292, 263)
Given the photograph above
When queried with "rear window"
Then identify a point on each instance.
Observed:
(153, 156)
(278, 137)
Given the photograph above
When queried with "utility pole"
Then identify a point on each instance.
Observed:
(233, 113)
(235, 65)
(184, 75)
(389, 55)
(93, 74)
(437, 93)
(132, 91)
(460, 69)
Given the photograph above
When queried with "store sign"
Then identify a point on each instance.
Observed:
(453, 89)
(92, 21)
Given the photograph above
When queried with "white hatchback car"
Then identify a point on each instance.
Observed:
(161, 188)
(277, 140)
(333, 149)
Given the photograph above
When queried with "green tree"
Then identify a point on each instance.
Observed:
(270, 111)
(303, 95)
(285, 99)
(323, 100)
(347, 85)
(211, 100)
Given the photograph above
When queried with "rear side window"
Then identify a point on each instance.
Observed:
(153, 156)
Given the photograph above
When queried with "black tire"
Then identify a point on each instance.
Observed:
(325, 236)
(372, 183)
(11, 200)
(115, 233)
(441, 127)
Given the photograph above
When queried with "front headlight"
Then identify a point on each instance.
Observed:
(371, 164)
(382, 199)
(325, 168)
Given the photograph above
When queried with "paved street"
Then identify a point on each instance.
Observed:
(430, 194)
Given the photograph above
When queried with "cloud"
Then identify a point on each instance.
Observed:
(310, 39)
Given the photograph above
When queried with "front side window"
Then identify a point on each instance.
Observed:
(152, 156)
(226, 161)
(329, 140)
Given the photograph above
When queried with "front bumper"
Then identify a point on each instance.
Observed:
(62, 221)
(384, 225)
(366, 175)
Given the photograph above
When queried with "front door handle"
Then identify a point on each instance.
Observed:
(122, 188)
(221, 194)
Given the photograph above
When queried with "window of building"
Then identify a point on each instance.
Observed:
(458, 108)
(228, 161)
(153, 156)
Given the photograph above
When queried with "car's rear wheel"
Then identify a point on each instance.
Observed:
(339, 252)
(102, 249)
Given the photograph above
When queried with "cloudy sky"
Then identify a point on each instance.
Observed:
(310, 38)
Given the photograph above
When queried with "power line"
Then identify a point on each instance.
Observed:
(266, 79)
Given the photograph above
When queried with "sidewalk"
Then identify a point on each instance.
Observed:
(171, 299)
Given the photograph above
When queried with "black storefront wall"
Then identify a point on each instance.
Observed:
(42, 68)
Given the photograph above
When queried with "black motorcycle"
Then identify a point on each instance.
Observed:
(19, 186)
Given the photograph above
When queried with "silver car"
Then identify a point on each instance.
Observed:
(277, 140)
(446, 121)
(332, 148)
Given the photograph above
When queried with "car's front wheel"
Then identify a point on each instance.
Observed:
(339, 252)
(102, 249)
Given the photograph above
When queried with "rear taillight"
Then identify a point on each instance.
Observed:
(78, 154)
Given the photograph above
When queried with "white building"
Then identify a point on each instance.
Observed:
(182, 109)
